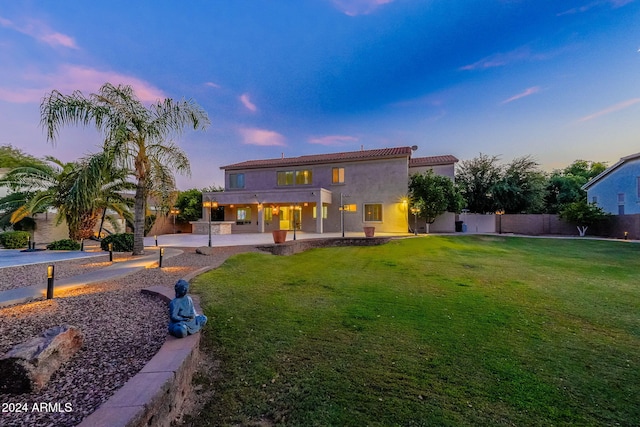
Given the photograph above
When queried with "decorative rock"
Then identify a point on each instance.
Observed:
(204, 250)
(28, 366)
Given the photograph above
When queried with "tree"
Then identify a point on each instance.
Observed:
(565, 186)
(11, 158)
(476, 179)
(138, 137)
(434, 195)
(521, 188)
(189, 203)
(77, 190)
(583, 215)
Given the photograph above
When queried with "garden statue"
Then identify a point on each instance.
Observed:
(183, 319)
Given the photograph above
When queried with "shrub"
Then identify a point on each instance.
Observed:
(64, 245)
(122, 242)
(14, 239)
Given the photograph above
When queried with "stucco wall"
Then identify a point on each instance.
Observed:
(623, 179)
(376, 181)
(444, 170)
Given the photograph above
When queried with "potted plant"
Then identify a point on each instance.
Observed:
(279, 236)
(369, 231)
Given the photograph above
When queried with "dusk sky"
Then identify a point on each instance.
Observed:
(559, 80)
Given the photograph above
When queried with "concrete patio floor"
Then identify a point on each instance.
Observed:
(196, 240)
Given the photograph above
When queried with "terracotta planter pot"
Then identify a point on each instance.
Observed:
(279, 236)
(369, 231)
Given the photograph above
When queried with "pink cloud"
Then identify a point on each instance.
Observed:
(613, 3)
(358, 7)
(609, 110)
(244, 98)
(69, 78)
(499, 59)
(520, 54)
(261, 137)
(40, 31)
(527, 92)
(332, 140)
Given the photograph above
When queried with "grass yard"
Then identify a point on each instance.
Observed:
(437, 331)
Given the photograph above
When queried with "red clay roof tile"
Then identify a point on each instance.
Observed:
(380, 153)
(432, 161)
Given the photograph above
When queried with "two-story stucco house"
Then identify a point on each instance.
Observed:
(617, 189)
(320, 193)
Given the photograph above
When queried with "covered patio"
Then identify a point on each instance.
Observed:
(263, 211)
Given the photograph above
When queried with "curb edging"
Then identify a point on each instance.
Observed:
(156, 394)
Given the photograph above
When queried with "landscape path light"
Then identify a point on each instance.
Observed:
(415, 211)
(50, 279)
(210, 203)
(174, 212)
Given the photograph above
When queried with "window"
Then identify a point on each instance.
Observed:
(337, 175)
(236, 180)
(324, 212)
(268, 214)
(373, 212)
(303, 177)
(285, 178)
(638, 186)
(299, 177)
(594, 199)
(243, 216)
(621, 198)
(620, 209)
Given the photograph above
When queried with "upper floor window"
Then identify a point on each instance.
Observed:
(638, 186)
(594, 199)
(236, 180)
(621, 198)
(373, 212)
(298, 177)
(304, 177)
(285, 178)
(337, 175)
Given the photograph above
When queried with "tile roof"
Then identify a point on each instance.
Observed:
(432, 161)
(380, 153)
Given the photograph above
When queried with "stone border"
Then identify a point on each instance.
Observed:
(156, 394)
(291, 247)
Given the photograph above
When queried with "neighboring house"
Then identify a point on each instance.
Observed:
(308, 192)
(617, 189)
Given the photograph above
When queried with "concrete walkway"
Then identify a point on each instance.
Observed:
(114, 271)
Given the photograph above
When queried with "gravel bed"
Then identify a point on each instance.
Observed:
(36, 274)
(123, 329)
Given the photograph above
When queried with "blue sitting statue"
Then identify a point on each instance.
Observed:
(183, 319)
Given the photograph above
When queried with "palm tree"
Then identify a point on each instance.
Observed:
(79, 191)
(138, 136)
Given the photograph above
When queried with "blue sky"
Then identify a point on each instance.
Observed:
(559, 80)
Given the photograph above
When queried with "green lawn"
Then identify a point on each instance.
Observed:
(464, 330)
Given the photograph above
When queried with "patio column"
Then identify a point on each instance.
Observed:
(261, 217)
(319, 215)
